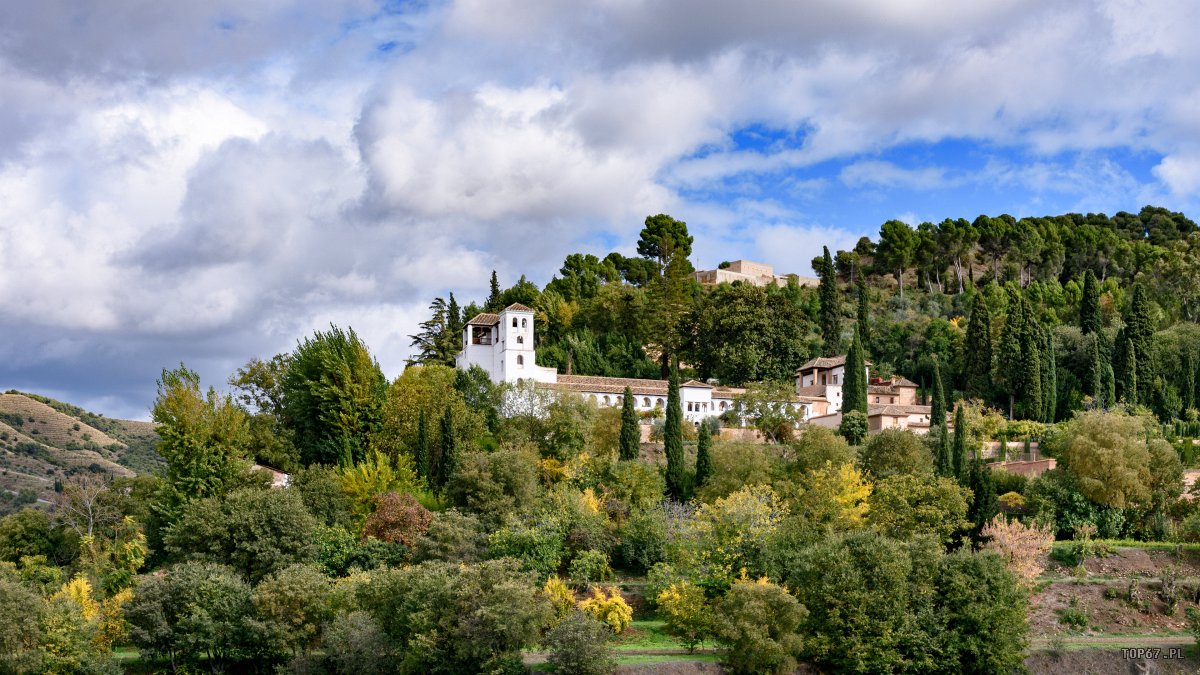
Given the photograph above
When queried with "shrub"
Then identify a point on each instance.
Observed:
(538, 546)
(397, 519)
(611, 609)
(686, 612)
(561, 597)
(590, 566)
(1073, 617)
(643, 538)
(291, 607)
(579, 646)
(452, 536)
(757, 625)
(1021, 546)
(355, 643)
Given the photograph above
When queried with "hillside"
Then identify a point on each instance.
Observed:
(42, 440)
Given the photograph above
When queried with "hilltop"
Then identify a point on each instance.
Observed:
(43, 440)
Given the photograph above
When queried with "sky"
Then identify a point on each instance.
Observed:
(208, 182)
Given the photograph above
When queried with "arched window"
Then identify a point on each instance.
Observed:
(606, 401)
(646, 402)
(514, 322)
(690, 407)
(658, 403)
(520, 360)
(520, 339)
(523, 323)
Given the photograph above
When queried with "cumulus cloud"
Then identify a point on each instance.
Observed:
(211, 181)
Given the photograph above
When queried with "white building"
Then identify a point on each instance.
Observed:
(502, 345)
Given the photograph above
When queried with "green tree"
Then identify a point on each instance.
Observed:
(977, 351)
(1049, 378)
(758, 627)
(579, 645)
(906, 505)
(291, 606)
(1131, 373)
(1139, 330)
(194, 610)
(864, 314)
(664, 237)
(983, 610)
(421, 452)
(897, 248)
(333, 393)
(831, 310)
(819, 446)
(631, 433)
(854, 384)
(670, 295)
(448, 460)
(854, 426)
(493, 303)
(745, 333)
(21, 612)
(1089, 305)
(895, 451)
(256, 531)
(439, 339)
(937, 420)
(961, 436)
(1011, 366)
(983, 492)
(673, 440)
(704, 467)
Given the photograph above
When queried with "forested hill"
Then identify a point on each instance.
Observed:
(1037, 316)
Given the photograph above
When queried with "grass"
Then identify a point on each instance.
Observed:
(1133, 543)
(640, 659)
(647, 635)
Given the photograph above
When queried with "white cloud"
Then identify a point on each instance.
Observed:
(1181, 173)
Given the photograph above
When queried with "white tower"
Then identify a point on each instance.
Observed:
(502, 344)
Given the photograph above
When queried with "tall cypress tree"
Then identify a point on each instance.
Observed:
(864, 314)
(1089, 305)
(448, 462)
(937, 420)
(421, 453)
(1097, 374)
(1031, 352)
(631, 435)
(831, 315)
(854, 383)
(1049, 378)
(1131, 373)
(704, 466)
(673, 439)
(1187, 387)
(493, 300)
(1011, 366)
(958, 457)
(977, 352)
(1140, 331)
(454, 322)
(1109, 381)
(983, 503)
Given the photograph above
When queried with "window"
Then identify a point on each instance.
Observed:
(690, 407)
(523, 324)
(520, 339)
(481, 335)
(877, 399)
(893, 399)
(646, 402)
(606, 401)
(514, 322)
(823, 379)
(658, 403)
(520, 360)
(835, 379)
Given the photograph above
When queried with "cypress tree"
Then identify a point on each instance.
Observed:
(421, 454)
(1109, 380)
(448, 462)
(1187, 389)
(864, 314)
(703, 456)
(673, 439)
(983, 503)
(854, 383)
(493, 301)
(1049, 378)
(960, 441)
(454, 322)
(631, 435)
(1011, 366)
(1032, 355)
(1097, 374)
(977, 352)
(937, 420)
(1140, 332)
(831, 315)
(1089, 305)
(1131, 373)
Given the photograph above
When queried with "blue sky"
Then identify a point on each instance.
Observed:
(209, 182)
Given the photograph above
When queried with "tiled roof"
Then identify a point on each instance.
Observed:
(897, 410)
(696, 384)
(823, 362)
(814, 390)
(484, 319)
(610, 385)
(518, 307)
(904, 382)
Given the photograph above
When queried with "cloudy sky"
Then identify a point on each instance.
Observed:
(209, 181)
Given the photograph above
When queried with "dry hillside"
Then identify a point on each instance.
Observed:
(43, 440)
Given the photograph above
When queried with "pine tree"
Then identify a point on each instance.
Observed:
(631, 435)
(493, 300)
(1089, 305)
(864, 315)
(673, 439)
(977, 352)
(937, 419)
(854, 382)
(703, 456)
(831, 315)
(960, 441)
(448, 462)
(421, 453)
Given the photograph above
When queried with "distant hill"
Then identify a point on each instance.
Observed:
(43, 440)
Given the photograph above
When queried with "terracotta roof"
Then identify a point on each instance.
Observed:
(897, 410)
(696, 384)
(518, 307)
(484, 320)
(814, 390)
(904, 382)
(610, 385)
(823, 362)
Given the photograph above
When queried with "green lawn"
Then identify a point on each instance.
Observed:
(647, 635)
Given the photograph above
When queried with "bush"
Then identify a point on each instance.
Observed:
(611, 609)
(355, 643)
(539, 546)
(560, 595)
(686, 612)
(397, 519)
(1073, 617)
(895, 451)
(291, 607)
(757, 624)
(590, 566)
(643, 538)
(452, 536)
(579, 645)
